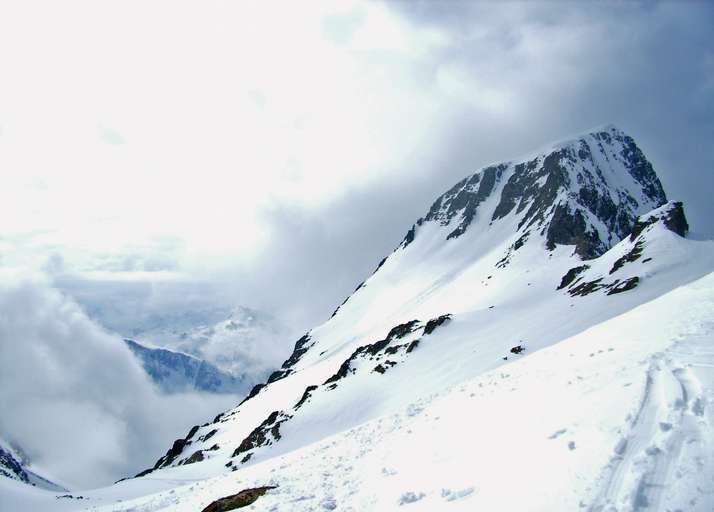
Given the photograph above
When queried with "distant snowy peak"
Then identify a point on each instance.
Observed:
(243, 318)
(10, 465)
(175, 372)
(586, 192)
(246, 342)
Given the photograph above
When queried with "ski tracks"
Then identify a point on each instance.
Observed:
(672, 413)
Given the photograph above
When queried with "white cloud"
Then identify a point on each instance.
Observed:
(72, 395)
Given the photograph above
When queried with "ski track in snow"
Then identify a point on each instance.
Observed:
(672, 413)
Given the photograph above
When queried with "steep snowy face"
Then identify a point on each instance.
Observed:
(586, 192)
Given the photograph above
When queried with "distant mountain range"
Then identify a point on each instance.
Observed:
(228, 356)
(175, 372)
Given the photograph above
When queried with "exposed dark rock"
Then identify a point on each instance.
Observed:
(397, 332)
(587, 288)
(432, 324)
(569, 228)
(209, 435)
(218, 418)
(673, 218)
(171, 455)
(143, 473)
(240, 500)
(277, 375)
(409, 237)
(615, 287)
(259, 436)
(301, 346)
(639, 168)
(196, 456)
(305, 396)
(517, 349)
(676, 221)
(628, 284)
(345, 367)
(380, 264)
(191, 432)
(570, 276)
(381, 368)
(631, 256)
(521, 241)
(469, 201)
(412, 346)
(349, 296)
(253, 392)
(11, 467)
(402, 330)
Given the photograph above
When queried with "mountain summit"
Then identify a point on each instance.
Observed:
(586, 192)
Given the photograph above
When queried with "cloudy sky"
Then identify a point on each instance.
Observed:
(175, 154)
(280, 150)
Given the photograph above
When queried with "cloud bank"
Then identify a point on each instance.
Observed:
(74, 398)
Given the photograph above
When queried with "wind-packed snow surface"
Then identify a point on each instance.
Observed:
(543, 339)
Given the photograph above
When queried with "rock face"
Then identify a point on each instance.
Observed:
(11, 467)
(176, 372)
(671, 215)
(240, 500)
(586, 192)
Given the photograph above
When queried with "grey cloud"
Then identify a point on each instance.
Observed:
(74, 398)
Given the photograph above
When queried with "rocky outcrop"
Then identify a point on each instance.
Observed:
(175, 372)
(567, 193)
(264, 434)
(671, 215)
(242, 499)
(11, 467)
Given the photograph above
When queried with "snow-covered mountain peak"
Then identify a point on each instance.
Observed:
(242, 317)
(585, 191)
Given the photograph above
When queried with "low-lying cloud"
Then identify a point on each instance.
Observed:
(74, 398)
